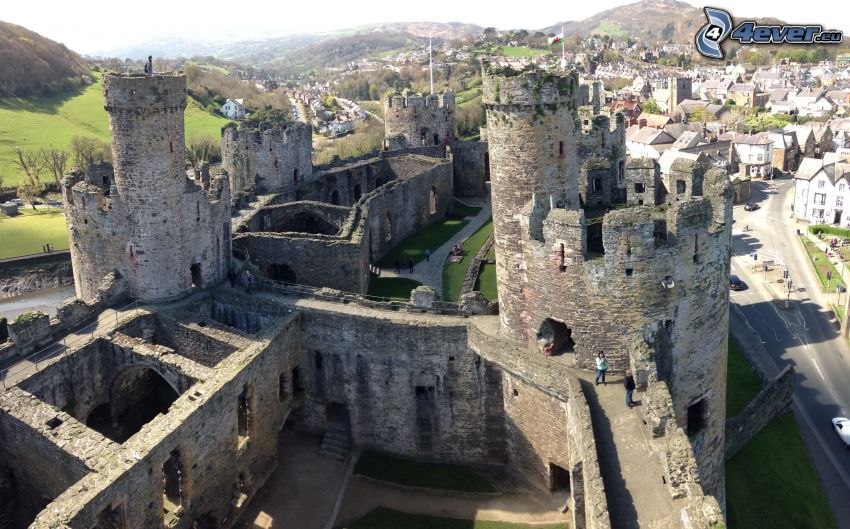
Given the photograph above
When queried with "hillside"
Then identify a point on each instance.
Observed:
(40, 122)
(423, 30)
(31, 64)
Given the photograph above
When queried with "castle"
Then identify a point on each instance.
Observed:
(170, 416)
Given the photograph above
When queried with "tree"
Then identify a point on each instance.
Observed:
(700, 114)
(651, 106)
(202, 149)
(731, 119)
(88, 151)
(30, 163)
(55, 161)
(29, 192)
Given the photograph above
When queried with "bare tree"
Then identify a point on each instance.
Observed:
(29, 192)
(731, 119)
(88, 151)
(54, 160)
(202, 149)
(30, 163)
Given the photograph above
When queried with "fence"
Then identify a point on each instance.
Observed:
(10, 376)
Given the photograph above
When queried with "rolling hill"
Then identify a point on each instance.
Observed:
(31, 64)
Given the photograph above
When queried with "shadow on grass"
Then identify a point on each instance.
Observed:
(392, 287)
(383, 518)
(47, 104)
(427, 475)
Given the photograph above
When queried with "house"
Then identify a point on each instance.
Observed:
(340, 125)
(687, 139)
(821, 191)
(785, 151)
(818, 108)
(741, 188)
(715, 89)
(805, 140)
(629, 107)
(744, 95)
(777, 97)
(647, 142)
(806, 97)
(656, 121)
(233, 109)
(687, 107)
(752, 153)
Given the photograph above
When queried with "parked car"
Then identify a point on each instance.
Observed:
(750, 206)
(841, 425)
(17, 201)
(54, 203)
(735, 283)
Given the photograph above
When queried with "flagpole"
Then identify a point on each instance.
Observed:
(563, 49)
(431, 65)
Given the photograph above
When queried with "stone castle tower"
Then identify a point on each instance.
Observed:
(268, 158)
(680, 88)
(595, 255)
(162, 232)
(414, 120)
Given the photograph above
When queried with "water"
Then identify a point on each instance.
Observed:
(46, 300)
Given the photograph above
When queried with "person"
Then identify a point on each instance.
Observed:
(629, 382)
(249, 280)
(427, 255)
(410, 265)
(149, 66)
(231, 276)
(397, 266)
(601, 367)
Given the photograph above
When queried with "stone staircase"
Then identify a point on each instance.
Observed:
(336, 443)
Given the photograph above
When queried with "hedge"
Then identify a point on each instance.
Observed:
(830, 230)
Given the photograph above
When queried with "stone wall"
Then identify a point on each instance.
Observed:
(414, 120)
(268, 159)
(773, 401)
(418, 186)
(160, 230)
(471, 161)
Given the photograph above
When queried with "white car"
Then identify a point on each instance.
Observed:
(842, 428)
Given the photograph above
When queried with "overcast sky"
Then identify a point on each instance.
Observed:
(87, 26)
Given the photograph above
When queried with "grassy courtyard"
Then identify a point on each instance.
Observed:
(42, 122)
(383, 518)
(522, 51)
(392, 287)
(771, 483)
(453, 273)
(414, 246)
(821, 265)
(29, 231)
(440, 476)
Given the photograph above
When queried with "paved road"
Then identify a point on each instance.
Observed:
(804, 335)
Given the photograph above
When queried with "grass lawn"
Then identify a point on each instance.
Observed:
(431, 238)
(383, 518)
(462, 209)
(453, 273)
(522, 51)
(440, 476)
(37, 123)
(742, 384)
(609, 28)
(771, 483)
(822, 265)
(839, 312)
(26, 233)
(486, 283)
(392, 287)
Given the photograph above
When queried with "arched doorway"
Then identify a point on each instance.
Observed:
(335, 197)
(555, 338)
(295, 176)
(433, 200)
(281, 272)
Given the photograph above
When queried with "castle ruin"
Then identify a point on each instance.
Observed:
(170, 417)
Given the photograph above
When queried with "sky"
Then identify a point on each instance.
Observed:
(89, 26)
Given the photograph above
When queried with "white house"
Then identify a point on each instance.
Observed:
(822, 192)
(753, 153)
(233, 109)
(647, 142)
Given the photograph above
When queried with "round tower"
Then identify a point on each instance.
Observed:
(146, 126)
(531, 138)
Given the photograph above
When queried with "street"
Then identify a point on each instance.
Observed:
(804, 335)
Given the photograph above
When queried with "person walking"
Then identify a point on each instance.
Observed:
(410, 265)
(629, 383)
(397, 267)
(601, 367)
(427, 254)
(249, 280)
(231, 276)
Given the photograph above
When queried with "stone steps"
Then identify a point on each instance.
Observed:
(335, 444)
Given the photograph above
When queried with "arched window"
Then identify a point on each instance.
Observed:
(433, 200)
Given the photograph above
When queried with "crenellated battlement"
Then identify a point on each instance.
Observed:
(529, 87)
(414, 120)
(140, 93)
(398, 100)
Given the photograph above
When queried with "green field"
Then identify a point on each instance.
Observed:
(613, 29)
(440, 476)
(453, 273)
(821, 265)
(383, 518)
(414, 246)
(42, 122)
(392, 287)
(522, 51)
(28, 232)
(771, 483)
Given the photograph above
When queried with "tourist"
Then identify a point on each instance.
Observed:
(601, 367)
(149, 66)
(629, 382)
(231, 276)
(249, 280)
(397, 267)
(410, 265)
(427, 255)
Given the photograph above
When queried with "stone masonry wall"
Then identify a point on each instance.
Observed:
(413, 120)
(471, 161)
(773, 401)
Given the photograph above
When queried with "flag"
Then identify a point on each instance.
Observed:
(556, 39)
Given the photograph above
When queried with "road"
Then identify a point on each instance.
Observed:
(804, 335)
